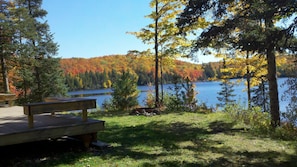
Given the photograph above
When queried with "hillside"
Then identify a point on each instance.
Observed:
(103, 70)
(75, 66)
(100, 72)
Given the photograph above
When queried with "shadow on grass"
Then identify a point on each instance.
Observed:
(41, 153)
(153, 134)
(152, 144)
(168, 137)
(224, 127)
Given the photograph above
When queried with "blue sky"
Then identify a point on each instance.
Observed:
(95, 28)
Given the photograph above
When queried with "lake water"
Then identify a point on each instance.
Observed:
(207, 93)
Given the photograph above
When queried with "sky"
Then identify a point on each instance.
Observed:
(93, 28)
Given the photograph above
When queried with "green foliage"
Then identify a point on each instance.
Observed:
(108, 106)
(225, 96)
(150, 98)
(259, 123)
(125, 92)
(183, 97)
(260, 96)
(290, 115)
(209, 72)
(246, 26)
(255, 120)
(36, 73)
(286, 131)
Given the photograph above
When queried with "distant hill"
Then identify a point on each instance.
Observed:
(75, 66)
(100, 72)
(143, 66)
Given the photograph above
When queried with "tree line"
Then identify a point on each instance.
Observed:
(101, 72)
(82, 74)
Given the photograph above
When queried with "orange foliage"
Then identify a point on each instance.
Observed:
(75, 66)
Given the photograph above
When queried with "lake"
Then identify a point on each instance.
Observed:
(207, 93)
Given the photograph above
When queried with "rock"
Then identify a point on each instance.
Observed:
(145, 111)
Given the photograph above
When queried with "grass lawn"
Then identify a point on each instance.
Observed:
(175, 139)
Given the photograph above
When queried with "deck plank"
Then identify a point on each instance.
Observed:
(14, 126)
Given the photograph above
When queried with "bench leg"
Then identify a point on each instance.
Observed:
(84, 115)
(10, 103)
(30, 121)
(87, 139)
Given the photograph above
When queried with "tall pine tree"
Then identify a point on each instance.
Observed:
(6, 43)
(38, 72)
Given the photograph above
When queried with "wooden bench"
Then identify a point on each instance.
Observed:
(7, 97)
(53, 105)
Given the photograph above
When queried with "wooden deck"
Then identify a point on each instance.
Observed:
(14, 126)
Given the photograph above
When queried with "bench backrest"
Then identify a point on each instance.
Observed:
(56, 106)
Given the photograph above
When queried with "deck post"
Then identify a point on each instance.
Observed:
(84, 115)
(30, 121)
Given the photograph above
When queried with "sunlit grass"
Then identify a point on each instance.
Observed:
(178, 139)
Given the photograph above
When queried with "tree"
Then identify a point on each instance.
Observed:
(252, 67)
(38, 71)
(209, 73)
(267, 38)
(291, 94)
(226, 94)
(6, 47)
(260, 96)
(125, 92)
(162, 33)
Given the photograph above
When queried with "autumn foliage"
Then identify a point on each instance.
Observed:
(107, 67)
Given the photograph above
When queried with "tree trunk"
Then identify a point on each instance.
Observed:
(5, 40)
(4, 75)
(161, 81)
(156, 58)
(273, 88)
(248, 79)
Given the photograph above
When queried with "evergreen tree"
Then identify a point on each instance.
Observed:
(260, 96)
(189, 94)
(209, 73)
(125, 92)
(291, 95)
(226, 94)
(6, 47)
(39, 72)
(231, 16)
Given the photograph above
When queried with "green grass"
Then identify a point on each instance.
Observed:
(175, 139)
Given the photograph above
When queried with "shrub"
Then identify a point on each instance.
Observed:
(124, 95)
(259, 122)
(256, 120)
(183, 96)
(150, 98)
(286, 131)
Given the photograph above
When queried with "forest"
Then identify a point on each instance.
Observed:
(101, 72)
